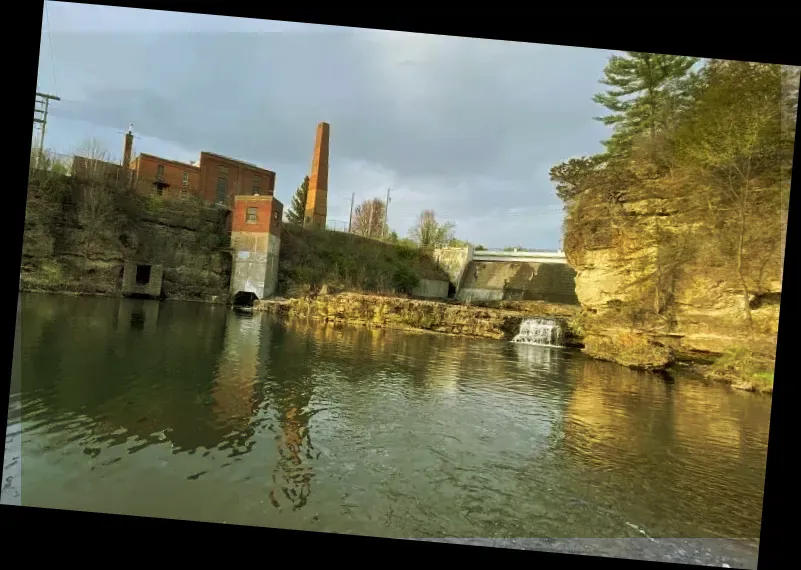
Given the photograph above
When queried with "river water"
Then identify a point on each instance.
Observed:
(191, 411)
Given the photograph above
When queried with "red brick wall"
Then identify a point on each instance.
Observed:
(239, 178)
(147, 169)
(269, 212)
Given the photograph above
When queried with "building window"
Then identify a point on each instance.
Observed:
(160, 172)
(186, 179)
(184, 194)
(222, 189)
(223, 170)
(276, 215)
(251, 216)
(158, 190)
(256, 185)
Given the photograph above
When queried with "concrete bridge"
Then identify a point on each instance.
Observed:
(487, 275)
(520, 256)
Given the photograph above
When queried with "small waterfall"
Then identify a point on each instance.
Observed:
(543, 332)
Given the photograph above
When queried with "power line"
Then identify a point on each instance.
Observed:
(350, 218)
(386, 216)
(50, 43)
(42, 99)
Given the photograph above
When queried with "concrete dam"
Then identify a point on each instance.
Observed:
(513, 276)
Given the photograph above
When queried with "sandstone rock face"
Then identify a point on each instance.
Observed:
(706, 316)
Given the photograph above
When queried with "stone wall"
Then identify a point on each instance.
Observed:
(394, 312)
(66, 249)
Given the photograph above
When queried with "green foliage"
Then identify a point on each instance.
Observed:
(428, 233)
(746, 368)
(347, 262)
(458, 243)
(297, 209)
(712, 150)
(368, 219)
(646, 90)
(572, 175)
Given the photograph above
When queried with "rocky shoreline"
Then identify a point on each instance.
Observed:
(633, 349)
(498, 321)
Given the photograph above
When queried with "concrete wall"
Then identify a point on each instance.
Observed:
(431, 289)
(519, 281)
(454, 261)
(151, 288)
(256, 271)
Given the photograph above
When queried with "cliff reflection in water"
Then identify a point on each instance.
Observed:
(706, 442)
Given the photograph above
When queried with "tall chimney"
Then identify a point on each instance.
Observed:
(317, 198)
(126, 153)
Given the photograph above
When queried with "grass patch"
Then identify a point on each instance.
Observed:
(347, 262)
(745, 369)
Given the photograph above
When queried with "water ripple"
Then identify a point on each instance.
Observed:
(250, 420)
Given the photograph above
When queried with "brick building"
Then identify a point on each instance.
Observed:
(215, 178)
(256, 243)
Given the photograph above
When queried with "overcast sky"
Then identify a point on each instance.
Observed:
(466, 127)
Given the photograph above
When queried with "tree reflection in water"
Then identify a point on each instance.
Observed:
(291, 477)
(290, 395)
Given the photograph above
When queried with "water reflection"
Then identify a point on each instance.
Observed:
(289, 386)
(138, 315)
(613, 419)
(237, 372)
(191, 411)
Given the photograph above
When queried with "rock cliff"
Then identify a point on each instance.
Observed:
(652, 291)
(77, 237)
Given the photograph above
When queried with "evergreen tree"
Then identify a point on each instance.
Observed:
(297, 210)
(646, 90)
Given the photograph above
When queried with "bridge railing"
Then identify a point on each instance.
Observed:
(521, 256)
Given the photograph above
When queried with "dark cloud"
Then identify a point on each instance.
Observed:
(467, 125)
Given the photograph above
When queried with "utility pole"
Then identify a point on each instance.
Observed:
(370, 226)
(44, 100)
(386, 214)
(350, 218)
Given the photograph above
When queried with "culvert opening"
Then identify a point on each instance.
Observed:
(245, 299)
(142, 274)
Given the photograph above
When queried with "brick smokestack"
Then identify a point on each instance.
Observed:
(126, 152)
(317, 199)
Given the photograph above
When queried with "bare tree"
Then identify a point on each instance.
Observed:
(429, 233)
(96, 204)
(368, 218)
(93, 162)
(735, 140)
